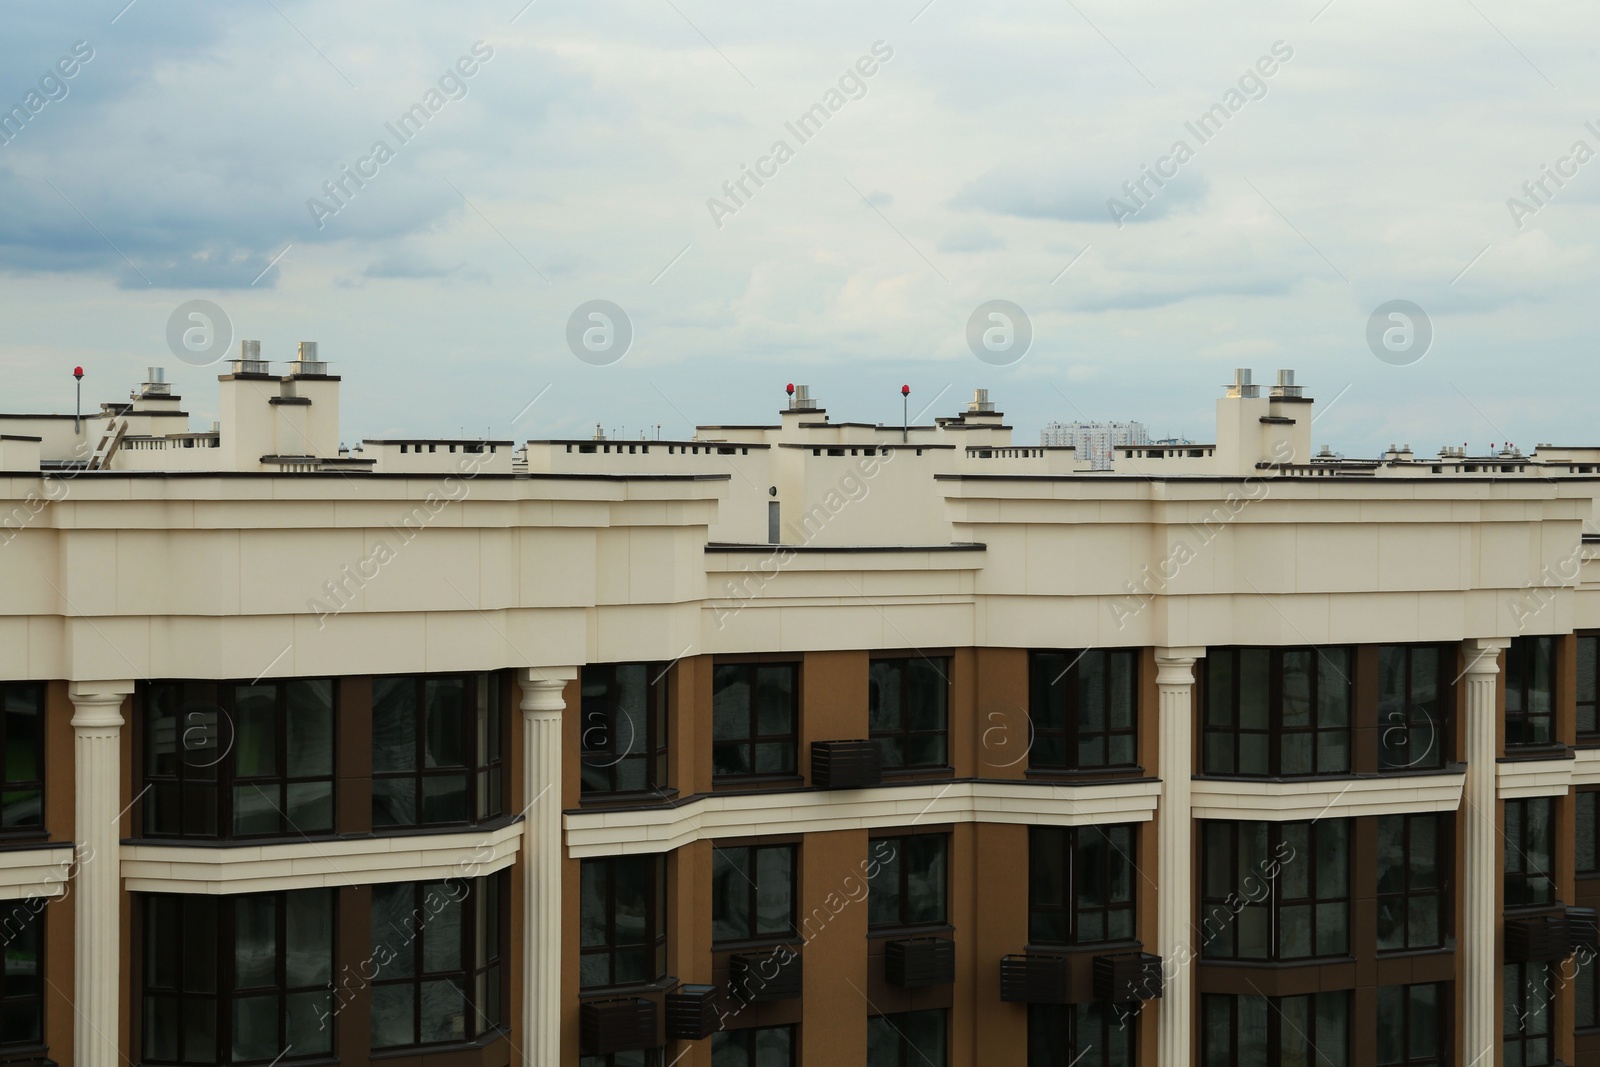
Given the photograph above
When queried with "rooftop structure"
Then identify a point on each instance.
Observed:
(810, 743)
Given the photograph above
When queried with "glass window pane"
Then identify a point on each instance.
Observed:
(394, 929)
(441, 934)
(730, 702)
(255, 941)
(1254, 677)
(444, 798)
(310, 728)
(1297, 687)
(394, 802)
(255, 808)
(730, 894)
(774, 895)
(309, 1027)
(310, 806)
(308, 937)
(255, 724)
(883, 695)
(255, 1027)
(444, 1011)
(393, 1015)
(1333, 687)
(394, 724)
(774, 693)
(445, 742)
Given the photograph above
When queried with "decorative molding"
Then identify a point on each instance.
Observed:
(1586, 766)
(36, 872)
(654, 830)
(233, 869)
(1534, 778)
(1342, 798)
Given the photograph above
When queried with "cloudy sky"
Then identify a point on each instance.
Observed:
(186, 157)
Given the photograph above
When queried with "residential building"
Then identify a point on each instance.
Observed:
(810, 743)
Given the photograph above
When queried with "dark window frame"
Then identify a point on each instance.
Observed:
(1527, 726)
(753, 739)
(751, 884)
(1059, 709)
(1077, 847)
(1405, 998)
(1522, 887)
(1093, 1034)
(1518, 980)
(905, 916)
(611, 734)
(1276, 1019)
(1586, 832)
(1405, 721)
(1309, 844)
(1409, 893)
(1587, 654)
(654, 942)
(217, 919)
(905, 1054)
(482, 956)
(1586, 991)
(22, 798)
(898, 738)
(1224, 731)
(485, 785)
(206, 715)
(22, 994)
(750, 1037)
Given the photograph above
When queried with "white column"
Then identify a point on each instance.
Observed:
(1480, 1012)
(97, 903)
(1175, 878)
(542, 705)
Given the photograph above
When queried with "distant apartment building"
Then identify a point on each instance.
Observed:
(805, 744)
(1096, 442)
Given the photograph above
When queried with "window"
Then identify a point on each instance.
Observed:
(765, 1046)
(226, 760)
(1528, 852)
(908, 710)
(752, 893)
(622, 921)
(1080, 884)
(1588, 990)
(1411, 1025)
(1528, 1016)
(1084, 709)
(908, 1039)
(1412, 852)
(1083, 1035)
(624, 727)
(1253, 1031)
(22, 974)
(650, 1057)
(1277, 712)
(440, 950)
(237, 979)
(1412, 713)
(1530, 691)
(909, 887)
(22, 776)
(1589, 686)
(754, 711)
(1588, 817)
(436, 742)
(1275, 891)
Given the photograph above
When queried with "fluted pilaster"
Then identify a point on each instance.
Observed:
(1175, 911)
(1480, 1015)
(542, 707)
(96, 909)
